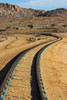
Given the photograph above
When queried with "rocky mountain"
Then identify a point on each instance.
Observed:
(61, 12)
(14, 11)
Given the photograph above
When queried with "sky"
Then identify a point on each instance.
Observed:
(38, 4)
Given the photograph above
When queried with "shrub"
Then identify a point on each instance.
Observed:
(30, 26)
(65, 25)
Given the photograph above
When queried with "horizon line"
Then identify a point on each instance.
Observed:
(34, 8)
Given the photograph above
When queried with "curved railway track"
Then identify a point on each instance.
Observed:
(12, 65)
(39, 77)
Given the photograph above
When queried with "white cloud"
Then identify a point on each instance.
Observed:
(45, 4)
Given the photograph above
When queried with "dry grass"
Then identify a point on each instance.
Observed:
(39, 25)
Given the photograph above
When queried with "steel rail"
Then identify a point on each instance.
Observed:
(9, 73)
(38, 70)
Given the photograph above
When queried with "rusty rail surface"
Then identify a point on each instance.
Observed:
(38, 70)
(8, 73)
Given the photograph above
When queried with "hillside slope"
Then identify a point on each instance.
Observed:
(57, 13)
(14, 11)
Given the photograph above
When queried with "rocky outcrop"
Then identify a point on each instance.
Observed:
(14, 11)
(56, 13)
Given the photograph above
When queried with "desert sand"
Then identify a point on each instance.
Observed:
(14, 44)
(53, 62)
(53, 68)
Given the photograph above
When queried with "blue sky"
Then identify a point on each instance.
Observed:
(38, 4)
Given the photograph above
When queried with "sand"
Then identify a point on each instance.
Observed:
(13, 45)
(54, 70)
(53, 63)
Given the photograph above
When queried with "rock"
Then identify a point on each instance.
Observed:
(14, 11)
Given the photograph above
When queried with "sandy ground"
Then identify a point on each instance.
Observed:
(53, 63)
(54, 70)
(8, 49)
(14, 45)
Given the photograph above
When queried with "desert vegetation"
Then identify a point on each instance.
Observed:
(33, 25)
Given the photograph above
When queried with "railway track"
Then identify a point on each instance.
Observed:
(14, 74)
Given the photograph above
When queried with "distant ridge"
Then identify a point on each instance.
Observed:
(14, 11)
(61, 12)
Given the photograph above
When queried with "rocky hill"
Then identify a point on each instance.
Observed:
(14, 11)
(57, 13)
(61, 12)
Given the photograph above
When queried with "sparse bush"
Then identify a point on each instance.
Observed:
(8, 27)
(30, 26)
(65, 25)
(16, 28)
(52, 25)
